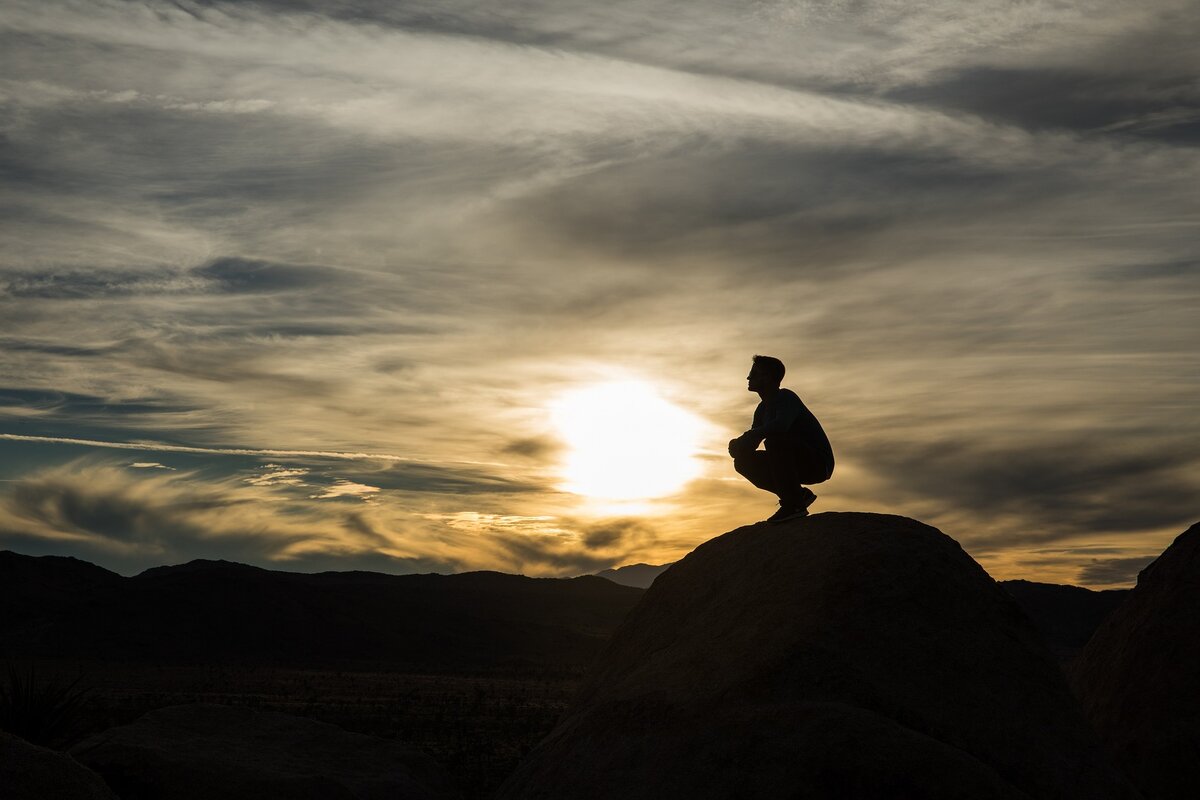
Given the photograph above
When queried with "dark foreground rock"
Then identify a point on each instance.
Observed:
(1139, 676)
(841, 655)
(205, 751)
(29, 772)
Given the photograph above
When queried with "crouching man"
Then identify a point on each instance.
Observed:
(797, 451)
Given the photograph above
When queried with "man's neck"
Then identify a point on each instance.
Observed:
(767, 394)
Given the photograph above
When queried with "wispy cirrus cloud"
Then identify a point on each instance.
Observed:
(131, 518)
(1114, 571)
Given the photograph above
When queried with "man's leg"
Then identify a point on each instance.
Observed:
(774, 470)
(811, 466)
(754, 467)
(784, 465)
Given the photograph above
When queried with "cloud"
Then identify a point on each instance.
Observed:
(538, 448)
(1072, 486)
(275, 475)
(130, 520)
(344, 488)
(43, 402)
(1113, 571)
(173, 448)
(109, 511)
(228, 274)
(623, 534)
(415, 477)
(478, 522)
(548, 544)
(1181, 271)
(134, 520)
(78, 284)
(1077, 99)
(252, 275)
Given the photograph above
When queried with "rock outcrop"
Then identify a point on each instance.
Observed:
(839, 655)
(205, 751)
(1139, 676)
(29, 772)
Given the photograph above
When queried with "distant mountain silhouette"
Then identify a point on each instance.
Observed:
(838, 655)
(1139, 676)
(639, 575)
(1066, 616)
(34, 582)
(217, 611)
(199, 565)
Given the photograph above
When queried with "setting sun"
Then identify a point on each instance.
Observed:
(625, 442)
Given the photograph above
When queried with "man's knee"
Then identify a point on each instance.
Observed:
(743, 464)
(753, 466)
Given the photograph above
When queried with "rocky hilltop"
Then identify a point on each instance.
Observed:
(839, 655)
(1139, 675)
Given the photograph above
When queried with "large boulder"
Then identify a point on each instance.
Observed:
(204, 751)
(1139, 676)
(29, 772)
(839, 655)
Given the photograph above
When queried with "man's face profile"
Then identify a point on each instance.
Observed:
(755, 380)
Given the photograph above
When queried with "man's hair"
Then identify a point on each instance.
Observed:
(771, 367)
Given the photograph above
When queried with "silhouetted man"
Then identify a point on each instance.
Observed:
(796, 451)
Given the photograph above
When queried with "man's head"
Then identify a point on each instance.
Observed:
(766, 373)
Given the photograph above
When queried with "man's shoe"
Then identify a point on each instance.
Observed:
(788, 512)
(807, 497)
(792, 510)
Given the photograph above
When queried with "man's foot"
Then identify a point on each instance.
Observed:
(788, 512)
(806, 498)
(796, 508)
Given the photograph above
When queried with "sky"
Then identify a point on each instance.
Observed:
(301, 284)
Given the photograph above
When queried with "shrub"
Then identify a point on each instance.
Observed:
(42, 709)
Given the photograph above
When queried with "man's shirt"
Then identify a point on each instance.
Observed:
(786, 413)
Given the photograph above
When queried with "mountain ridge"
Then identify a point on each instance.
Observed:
(207, 610)
(1066, 615)
(640, 575)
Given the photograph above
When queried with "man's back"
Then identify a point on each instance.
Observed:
(784, 411)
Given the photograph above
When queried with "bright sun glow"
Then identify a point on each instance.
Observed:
(625, 442)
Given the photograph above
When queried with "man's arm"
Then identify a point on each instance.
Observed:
(740, 446)
(780, 414)
(778, 417)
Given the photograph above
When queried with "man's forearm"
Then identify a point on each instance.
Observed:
(741, 445)
(753, 437)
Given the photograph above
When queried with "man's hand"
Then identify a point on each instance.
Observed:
(738, 447)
